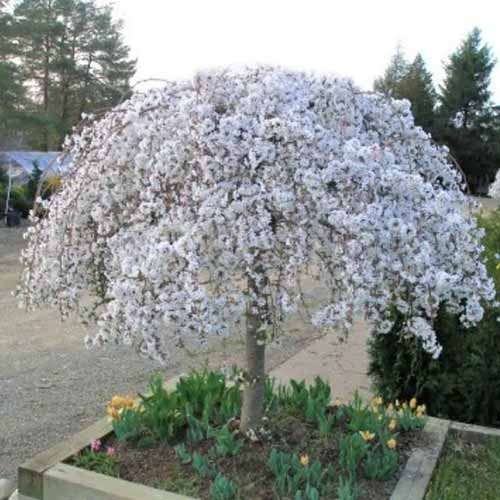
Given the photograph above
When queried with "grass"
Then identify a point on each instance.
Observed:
(467, 472)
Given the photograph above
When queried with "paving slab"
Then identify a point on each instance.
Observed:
(342, 362)
(6, 488)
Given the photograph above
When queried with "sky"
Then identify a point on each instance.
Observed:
(172, 39)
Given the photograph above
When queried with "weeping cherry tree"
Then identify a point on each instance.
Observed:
(195, 210)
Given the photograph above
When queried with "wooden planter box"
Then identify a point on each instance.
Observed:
(45, 477)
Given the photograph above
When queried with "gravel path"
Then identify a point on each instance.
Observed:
(51, 386)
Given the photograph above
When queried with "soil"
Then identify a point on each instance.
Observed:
(159, 467)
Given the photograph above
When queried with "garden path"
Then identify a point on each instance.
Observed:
(344, 363)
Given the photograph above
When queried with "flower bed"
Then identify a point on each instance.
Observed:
(187, 441)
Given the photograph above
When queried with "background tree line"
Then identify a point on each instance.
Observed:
(58, 59)
(461, 113)
(62, 58)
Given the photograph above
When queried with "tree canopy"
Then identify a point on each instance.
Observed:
(412, 81)
(71, 56)
(201, 206)
(465, 92)
(469, 122)
(397, 69)
(12, 91)
(461, 116)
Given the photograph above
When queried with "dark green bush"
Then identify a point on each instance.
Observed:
(464, 383)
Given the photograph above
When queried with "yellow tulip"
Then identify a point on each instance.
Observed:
(112, 412)
(117, 401)
(304, 460)
(413, 403)
(392, 443)
(393, 424)
(123, 402)
(367, 435)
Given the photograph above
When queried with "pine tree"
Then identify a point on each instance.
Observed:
(93, 63)
(108, 69)
(412, 81)
(12, 91)
(393, 75)
(468, 121)
(73, 52)
(417, 87)
(465, 93)
(37, 34)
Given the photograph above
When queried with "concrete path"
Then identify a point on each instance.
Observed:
(343, 363)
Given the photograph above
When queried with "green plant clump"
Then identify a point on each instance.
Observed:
(309, 401)
(226, 443)
(296, 478)
(222, 489)
(199, 401)
(98, 461)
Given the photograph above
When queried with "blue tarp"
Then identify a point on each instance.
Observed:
(26, 159)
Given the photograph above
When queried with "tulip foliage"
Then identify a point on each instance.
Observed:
(195, 210)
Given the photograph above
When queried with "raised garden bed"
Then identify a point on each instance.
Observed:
(308, 448)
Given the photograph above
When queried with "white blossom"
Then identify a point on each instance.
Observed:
(494, 190)
(180, 195)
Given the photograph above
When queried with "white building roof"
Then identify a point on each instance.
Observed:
(27, 159)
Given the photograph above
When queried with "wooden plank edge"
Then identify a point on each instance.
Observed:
(30, 473)
(413, 483)
(63, 481)
(6, 488)
(474, 433)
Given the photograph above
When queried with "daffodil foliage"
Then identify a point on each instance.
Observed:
(182, 196)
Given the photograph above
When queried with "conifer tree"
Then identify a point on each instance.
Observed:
(12, 92)
(465, 93)
(417, 87)
(74, 54)
(468, 120)
(393, 75)
(412, 81)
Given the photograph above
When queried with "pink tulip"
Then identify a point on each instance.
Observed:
(111, 451)
(95, 445)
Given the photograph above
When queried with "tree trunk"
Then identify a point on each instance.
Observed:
(253, 393)
(44, 146)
